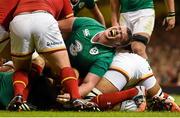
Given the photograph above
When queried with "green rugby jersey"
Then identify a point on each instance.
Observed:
(134, 5)
(85, 55)
(81, 4)
(6, 88)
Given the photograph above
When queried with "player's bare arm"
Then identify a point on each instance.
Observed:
(98, 15)
(170, 19)
(115, 7)
(66, 24)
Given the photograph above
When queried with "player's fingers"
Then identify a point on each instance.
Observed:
(164, 22)
(169, 27)
(62, 100)
(66, 96)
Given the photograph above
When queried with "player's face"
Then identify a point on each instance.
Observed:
(116, 36)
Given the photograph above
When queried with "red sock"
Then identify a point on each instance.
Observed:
(20, 81)
(26, 93)
(108, 100)
(36, 70)
(70, 82)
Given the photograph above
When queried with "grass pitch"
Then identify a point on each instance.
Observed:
(91, 114)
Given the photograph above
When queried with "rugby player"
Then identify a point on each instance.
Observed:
(34, 27)
(89, 48)
(138, 15)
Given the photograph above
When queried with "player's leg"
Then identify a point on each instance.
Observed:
(20, 82)
(142, 29)
(109, 100)
(120, 72)
(38, 64)
(22, 48)
(147, 78)
(51, 45)
(61, 63)
(152, 87)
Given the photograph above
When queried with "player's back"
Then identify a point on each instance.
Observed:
(82, 50)
(134, 5)
(7, 8)
(52, 6)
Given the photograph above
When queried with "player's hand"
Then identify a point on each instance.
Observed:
(6, 69)
(63, 98)
(169, 22)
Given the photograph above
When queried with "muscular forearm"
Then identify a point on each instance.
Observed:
(170, 5)
(98, 15)
(170, 19)
(88, 84)
(66, 24)
(115, 12)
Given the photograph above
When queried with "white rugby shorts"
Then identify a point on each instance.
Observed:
(141, 21)
(132, 66)
(35, 31)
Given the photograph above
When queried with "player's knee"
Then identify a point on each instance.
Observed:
(141, 38)
(137, 48)
(155, 91)
(152, 87)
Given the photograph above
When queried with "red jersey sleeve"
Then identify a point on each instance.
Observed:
(66, 10)
(7, 8)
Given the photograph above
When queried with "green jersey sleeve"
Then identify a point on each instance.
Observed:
(101, 66)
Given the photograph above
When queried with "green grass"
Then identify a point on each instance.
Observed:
(87, 114)
(90, 114)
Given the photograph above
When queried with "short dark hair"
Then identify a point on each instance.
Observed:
(127, 42)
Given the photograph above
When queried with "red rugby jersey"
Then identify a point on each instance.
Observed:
(7, 8)
(58, 8)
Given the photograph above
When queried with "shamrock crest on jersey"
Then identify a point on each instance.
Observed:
(94, 51)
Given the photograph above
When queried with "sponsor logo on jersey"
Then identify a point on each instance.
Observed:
(54, 43)
(86, 32)
(75, 48)
(94, 51)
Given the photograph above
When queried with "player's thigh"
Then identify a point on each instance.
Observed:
(21, 36)
(57, 59)
(152, 86)
(114, 80)
(143, 69)
(144, 23)
(123, 63)
(125, 21)
(49, 41)
(105, 86)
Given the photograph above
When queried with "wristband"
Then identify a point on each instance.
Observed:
(171, 14)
